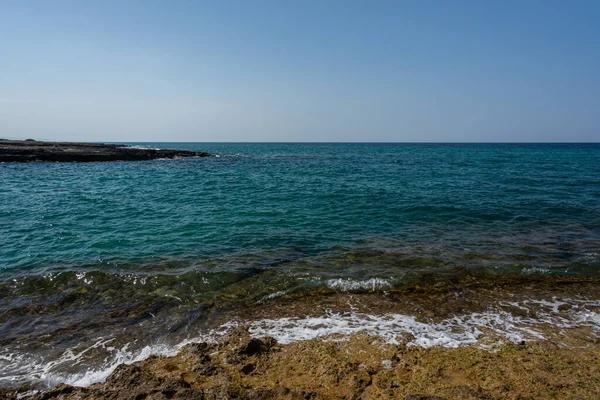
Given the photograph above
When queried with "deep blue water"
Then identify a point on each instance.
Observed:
(86, 247)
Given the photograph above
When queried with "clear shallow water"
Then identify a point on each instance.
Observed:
(131, 250)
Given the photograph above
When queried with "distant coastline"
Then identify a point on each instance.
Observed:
(32, 150)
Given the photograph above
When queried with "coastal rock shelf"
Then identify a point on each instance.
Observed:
(31, 150)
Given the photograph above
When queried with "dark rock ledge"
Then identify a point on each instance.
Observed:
(31, 150)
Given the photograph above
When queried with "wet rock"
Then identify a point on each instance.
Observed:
(60, 391)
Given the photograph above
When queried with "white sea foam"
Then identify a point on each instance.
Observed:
(275, 295)
(350, 284)
(453, 332)
(388, 327)
(536, 270)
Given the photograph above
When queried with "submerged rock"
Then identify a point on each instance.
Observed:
(29, 150)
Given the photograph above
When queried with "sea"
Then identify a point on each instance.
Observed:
(105, 263)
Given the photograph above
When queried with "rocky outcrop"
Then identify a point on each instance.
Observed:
(31, 150)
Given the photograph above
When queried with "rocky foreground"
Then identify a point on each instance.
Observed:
(362, 367)
(31, 150)
(560, 361)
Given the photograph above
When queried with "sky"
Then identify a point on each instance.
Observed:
(300, 71)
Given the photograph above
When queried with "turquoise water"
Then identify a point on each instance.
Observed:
(305, 196)
(91, 248)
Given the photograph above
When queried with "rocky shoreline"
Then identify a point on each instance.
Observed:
(31, 150)
(558, 359)
(359, 367)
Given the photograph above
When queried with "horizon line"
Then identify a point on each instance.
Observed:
(310, 142)
(343, 142)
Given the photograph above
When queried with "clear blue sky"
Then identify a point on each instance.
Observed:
(157, 70)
